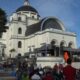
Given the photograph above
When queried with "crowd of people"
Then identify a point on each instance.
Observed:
(23, 71)
(58, 72)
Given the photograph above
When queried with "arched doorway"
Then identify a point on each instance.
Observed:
(62, 45)
(70, 45)
(53, 47)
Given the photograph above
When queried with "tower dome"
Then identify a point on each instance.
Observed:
(26, 7)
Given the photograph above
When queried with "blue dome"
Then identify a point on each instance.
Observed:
(26, 8)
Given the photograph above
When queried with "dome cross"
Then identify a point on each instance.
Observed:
(26, 3)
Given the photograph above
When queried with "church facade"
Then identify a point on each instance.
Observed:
(29, 33)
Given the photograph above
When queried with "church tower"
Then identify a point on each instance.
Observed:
(23, 17)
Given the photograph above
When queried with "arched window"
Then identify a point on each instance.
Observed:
(53, 42)
(19, 18)
(33, 17)
(53, 47)
(19, 44)
(70, 45)
(19, 31)
(62, 44)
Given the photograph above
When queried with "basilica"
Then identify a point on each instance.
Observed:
(28, 33)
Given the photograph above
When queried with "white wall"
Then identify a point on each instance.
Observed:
(31, 21)
(63, 37)
(49, 61)
(76, 65)
(46, 37)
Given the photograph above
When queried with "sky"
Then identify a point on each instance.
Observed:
(68, 11)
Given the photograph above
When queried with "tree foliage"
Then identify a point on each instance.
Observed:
(3, 21)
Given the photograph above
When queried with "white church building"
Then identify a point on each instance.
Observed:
(29, 33)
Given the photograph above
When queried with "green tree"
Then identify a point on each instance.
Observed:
(3, 21)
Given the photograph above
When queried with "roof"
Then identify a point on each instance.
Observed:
(43, 24)
(31, 30)
(26, 8)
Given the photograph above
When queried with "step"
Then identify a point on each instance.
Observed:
(2, 74)
(8, 78)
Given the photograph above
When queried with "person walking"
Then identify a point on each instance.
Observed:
(48, 76)
(57, 72)
(36, 75)
(78, 75)
(68, 71)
